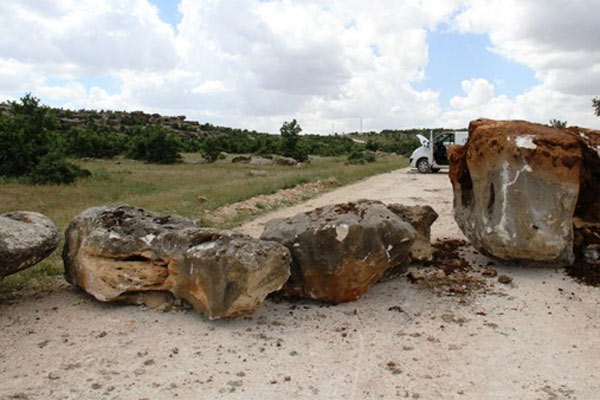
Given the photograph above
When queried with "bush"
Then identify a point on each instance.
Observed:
(53, 168)
(153, 144)
(359, 157)
(211, 148)
(89, 143)
(240, 159)
(30, 146)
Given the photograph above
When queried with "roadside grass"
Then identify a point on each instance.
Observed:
(166, 189)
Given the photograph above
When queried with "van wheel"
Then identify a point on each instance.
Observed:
(423, 165)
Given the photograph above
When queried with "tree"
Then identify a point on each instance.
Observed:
(556, 123)
(596, 103)
(155, 145)
(290, 146)
(30, 146)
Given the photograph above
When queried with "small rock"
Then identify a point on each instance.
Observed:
(201, 199)
(505, 279)
(258, 172)
(489, 273)
(257, 160)
(52, 376)
(286, 161)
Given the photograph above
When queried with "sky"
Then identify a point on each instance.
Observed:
(253, 64)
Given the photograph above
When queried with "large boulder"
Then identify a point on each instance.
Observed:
(117, 252)
(26, 238)
(421, 218)
(519, 185)
(339, 251)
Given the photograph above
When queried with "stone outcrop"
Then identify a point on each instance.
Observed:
(116, 253)
(339, 251)
(421, 218)
(518, 187)
(26, 238)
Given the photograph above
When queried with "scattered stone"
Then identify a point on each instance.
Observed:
(258, 160)
(421, 218)
(286, 161)
(53, 376)
(339, 251)
(201, 199)
(396, 308)
(501, 179)
(258, 172)
(505, 279)
(393, 368)
(490, 273)
(26, 238)
(121, 253)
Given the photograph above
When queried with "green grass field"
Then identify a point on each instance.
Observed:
(166, 189)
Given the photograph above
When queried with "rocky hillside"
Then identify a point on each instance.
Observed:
(119, 121)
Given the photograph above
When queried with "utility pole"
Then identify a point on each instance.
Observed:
(361, 125)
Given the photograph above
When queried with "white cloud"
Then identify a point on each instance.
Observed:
(255, 64)
(86, 36)
(538, 104)
(209, 87)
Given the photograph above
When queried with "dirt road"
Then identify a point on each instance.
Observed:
(536, 338)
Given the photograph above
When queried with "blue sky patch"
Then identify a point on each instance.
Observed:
(455, 57)
(168, 11)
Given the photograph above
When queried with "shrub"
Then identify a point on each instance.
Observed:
(211, 148)
(89, 143)
(153, 144)
(360, 157)
(240, 159)
(30, 146)
(53, 168)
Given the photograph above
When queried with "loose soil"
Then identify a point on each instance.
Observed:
(535, 337)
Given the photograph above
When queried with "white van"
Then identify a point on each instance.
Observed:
(428, 158)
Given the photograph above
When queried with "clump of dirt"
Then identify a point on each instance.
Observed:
(584, 272)
(448, 273)
(446, 256)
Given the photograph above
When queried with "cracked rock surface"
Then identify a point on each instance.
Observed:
(125, 253)
(519, 186)
(340, 251)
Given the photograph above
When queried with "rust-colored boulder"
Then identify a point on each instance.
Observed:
(519, 185)
(120, 253)
(340, 251)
